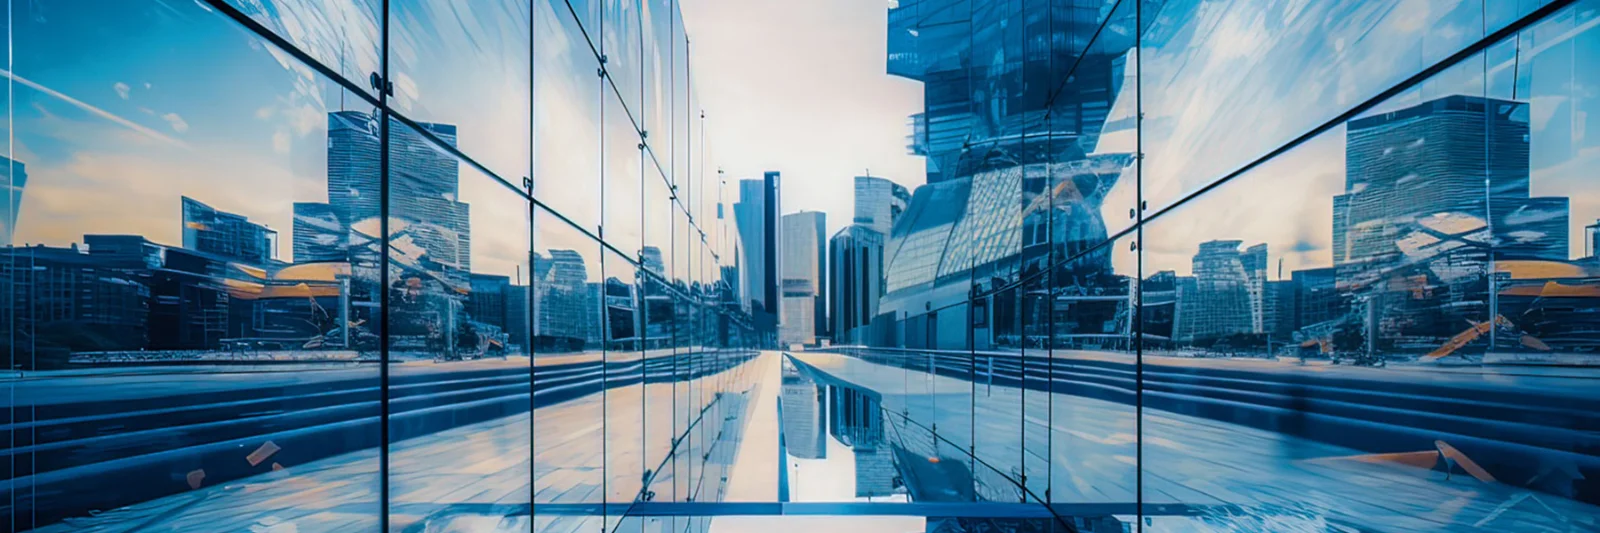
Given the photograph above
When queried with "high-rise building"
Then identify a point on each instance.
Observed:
(855, 273)
(567, 306)
(16, 177)
(803, 271)
(879, 203)
(756, 215)
(1218, 301)
(1434, 194)
(1254, 261)
(423, 192)
(1420, 171)
(207, 229)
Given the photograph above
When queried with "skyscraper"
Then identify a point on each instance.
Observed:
(423, 191)
(756, 215)
(855, 271)
(1418, 172)
(207, 229)
(1218, 301)
(1434, 194)
(567, 308)
(802, 277)
(879, 203)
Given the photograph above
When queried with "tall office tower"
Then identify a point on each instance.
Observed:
(16, 177)
(802, 277)
(1254, 261)
(879, 203)
(1217, 302)
(749, 214)
(756, 215)
(1418, 172)
(423, 192)
(206, 229)
(771, 243)
(566, 308)
(1434, 193)
(855, 273)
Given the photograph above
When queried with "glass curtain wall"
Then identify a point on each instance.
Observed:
(359, 265)
(431, 265)
(1237, 265)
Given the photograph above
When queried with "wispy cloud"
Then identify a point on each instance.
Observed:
(122, 89)
(178, 124)
(92, 109)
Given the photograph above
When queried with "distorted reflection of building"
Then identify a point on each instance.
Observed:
(621, 315)
(650, 258)
(1225, 296)
(424, 184)
(1418, 227)
(209, 230)
(660, 312)
(991, 145)
(568, 305)
(15, 180)
(803, 411)
(320, 234)
(855, 264)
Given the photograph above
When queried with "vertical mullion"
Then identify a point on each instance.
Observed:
(383, 266)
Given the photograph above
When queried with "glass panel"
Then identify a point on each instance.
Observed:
(468, 64)
(186, 369)
(567, 130)
(623, 223)
(569, 408)
(656, 20)
(345, 35)
(681, 118)
(457, 299)
(622, 47)
(1281, 68)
